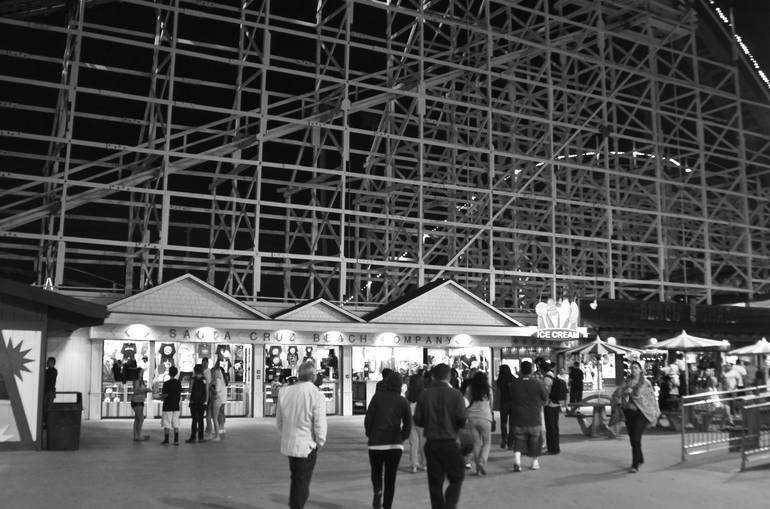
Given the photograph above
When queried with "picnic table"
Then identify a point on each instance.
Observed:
(594, 422)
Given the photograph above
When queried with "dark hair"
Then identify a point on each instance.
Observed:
(479, 387)
(172, 371)
(504, 376)
(525, 368)
(415, 387)
(385, 372)
(440, 372)
(198, 369)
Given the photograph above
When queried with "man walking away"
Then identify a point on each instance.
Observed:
(441, 412)
(557, 395)
(527, 398)
(301, 419)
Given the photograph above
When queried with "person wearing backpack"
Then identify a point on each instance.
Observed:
(557, 396)
(198, 396)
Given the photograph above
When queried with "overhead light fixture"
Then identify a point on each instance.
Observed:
(593, 305)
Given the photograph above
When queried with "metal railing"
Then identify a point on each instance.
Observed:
(755, 442)
(714, 421)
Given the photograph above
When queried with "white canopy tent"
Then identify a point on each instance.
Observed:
(599, 348)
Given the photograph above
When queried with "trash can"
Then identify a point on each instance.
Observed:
(63, 426)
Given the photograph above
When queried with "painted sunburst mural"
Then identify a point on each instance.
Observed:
(19, 386)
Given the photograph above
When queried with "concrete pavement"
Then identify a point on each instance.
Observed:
(246, 471)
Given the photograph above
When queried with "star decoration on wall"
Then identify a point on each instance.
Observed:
(16, 360)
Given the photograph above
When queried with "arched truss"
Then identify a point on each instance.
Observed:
(352, 149)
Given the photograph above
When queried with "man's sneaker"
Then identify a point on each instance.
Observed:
(516, 468)
(190, 441)
(165, 442)
(535, 465)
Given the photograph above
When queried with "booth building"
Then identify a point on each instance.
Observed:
(184, 320)
(36, 323)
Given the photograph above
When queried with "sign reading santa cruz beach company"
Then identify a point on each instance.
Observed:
(557, 320)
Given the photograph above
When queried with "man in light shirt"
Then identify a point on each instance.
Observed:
(742, 373)
(301, 419)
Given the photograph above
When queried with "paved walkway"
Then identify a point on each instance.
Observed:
(110, 471)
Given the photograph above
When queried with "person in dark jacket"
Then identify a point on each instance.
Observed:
(197, 399)
(575, 383)
(441, 412)
(388, 422)
(527, 397)
(504, 379)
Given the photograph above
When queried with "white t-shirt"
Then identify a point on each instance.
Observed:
(732, 379)
(742, 372)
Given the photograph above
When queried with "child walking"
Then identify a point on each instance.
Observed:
(171, 393)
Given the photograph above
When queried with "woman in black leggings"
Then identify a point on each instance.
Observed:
(387, 423)
(640, 407)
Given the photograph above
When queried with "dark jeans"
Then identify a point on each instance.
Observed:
(576, 393)
(444, 461)
(635, 424)
(506, 425)
(388, 459)
(301, 473)
(196, 412)
(551, 415)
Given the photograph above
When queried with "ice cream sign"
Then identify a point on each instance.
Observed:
(557, 320)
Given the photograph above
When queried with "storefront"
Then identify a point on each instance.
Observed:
(175, 324)
(156, 357)
(186, 320)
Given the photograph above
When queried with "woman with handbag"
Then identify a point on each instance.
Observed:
(480, 418)
(636, 399)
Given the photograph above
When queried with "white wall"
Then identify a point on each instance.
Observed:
(73, 362)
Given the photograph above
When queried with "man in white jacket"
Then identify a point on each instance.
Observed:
(301, 419)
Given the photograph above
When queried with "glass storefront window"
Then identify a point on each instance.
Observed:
(282, 363)
(116, 393)
(234, 359)
(368, 361)
(462, 360)
(156, 357)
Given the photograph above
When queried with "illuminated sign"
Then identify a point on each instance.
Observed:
(557, 320)
(557, 334)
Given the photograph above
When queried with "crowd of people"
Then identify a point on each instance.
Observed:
(705, 376)
(207, 398)
(448, 423)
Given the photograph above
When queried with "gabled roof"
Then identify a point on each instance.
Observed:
(317, 310)
(64, 312)
(441, 302)
(186, 296)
